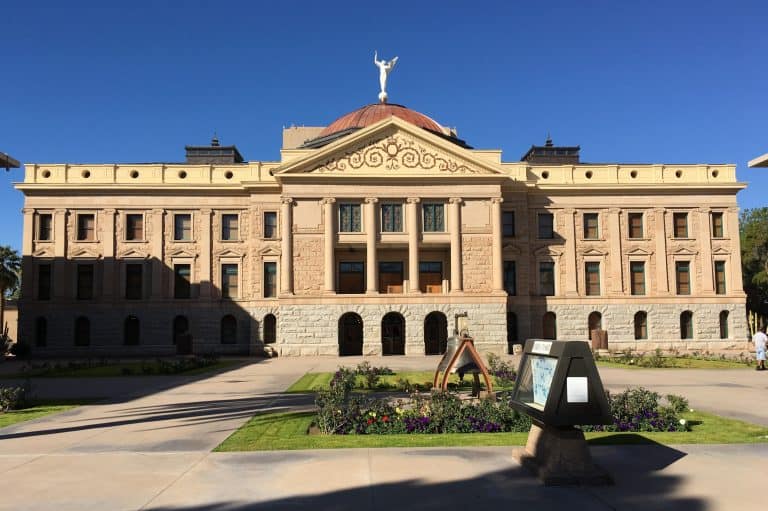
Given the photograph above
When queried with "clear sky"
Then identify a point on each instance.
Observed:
(644, 81)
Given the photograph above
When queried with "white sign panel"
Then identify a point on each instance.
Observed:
(541, 347)
(576, 389)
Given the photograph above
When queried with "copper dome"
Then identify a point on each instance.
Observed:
(371, 114)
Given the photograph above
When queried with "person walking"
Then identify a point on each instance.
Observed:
(760, 340)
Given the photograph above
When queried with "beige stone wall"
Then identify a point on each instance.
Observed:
(308, 264)
(476, 263)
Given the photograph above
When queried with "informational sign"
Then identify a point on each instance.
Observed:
(543, 369)
(542, 347)
(576, 389)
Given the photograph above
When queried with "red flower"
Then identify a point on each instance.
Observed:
(370, 421)
(385, 418)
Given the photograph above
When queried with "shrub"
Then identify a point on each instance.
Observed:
(677, 403)
(638, 409)
(13, 398)
(372, 374)
(503, 371)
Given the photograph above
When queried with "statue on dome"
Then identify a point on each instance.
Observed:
(384, 69)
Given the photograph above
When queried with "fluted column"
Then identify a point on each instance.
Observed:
(497, 263)
(371, 261)
(286, 257)
(455, 228)
(329, 280)
(705, 245)
(571, 274)
(413, 244)
(108, 247)
(662, 277)
(156, 250)
(205, 255)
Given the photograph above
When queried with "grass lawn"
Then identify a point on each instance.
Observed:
(312, 382)
(34, 412)
(286, 431)
(680, 363)
(117, 369)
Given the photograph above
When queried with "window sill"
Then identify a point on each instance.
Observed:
(43, 241)
(134, 241)
(182, 241)
(86, 241)
(274, 238)
(229, 241)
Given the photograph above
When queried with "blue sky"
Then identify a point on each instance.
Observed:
(657, 82)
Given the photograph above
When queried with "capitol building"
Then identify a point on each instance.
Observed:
(367, 237)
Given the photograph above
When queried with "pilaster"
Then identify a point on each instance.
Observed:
(156, 252)
(108, 248)
(497, 276)
(571, 273)
(413, 244)
(617, 265)
(206, 286)
(371, 261)
(662, 276)
(329, 281)
(286, 257)
(455, 228)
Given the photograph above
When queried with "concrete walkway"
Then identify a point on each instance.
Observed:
(150, 449)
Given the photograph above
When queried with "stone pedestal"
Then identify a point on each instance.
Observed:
(560, 457)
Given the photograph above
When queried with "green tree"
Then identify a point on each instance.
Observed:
(10, 276)
(753, 229)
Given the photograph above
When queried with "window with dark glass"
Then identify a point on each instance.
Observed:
(182, 281)
(82, 332)
(434, 217)
(228, 329)
(41, 332)
(351, 277)
(510, 278)
(547, 278)
(549, 326)
(635, 221)
(391, 218)
(229, 284)
(134, 281)
(683, 277)
(44, 282)
(270, 225)
(134, 227)
(546, 226)
(717, 225)
(641, 325)
(86, 227)
(391, 277)
(270, 329)
(720, 277)
(680, 221)
(270, 280)
(230, 228)
(637, 277)
(591, 230)
(508, 223)
(182, 227)
(686, 325)
(431, 277)
(349, 218)
(512, 336)
(131, 330)
(84, 281)
(592, 273)
(723, 320)
(44, 227)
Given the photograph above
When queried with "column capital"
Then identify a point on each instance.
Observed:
(109, 211)
(158, 211)
(286, 200)
(61, 211)
(206, 211)
(497, 200)
(371, 200)
(328, 200)
(27, 211)
(704, 209)
(455, 200)
(413, 200)
(614, 211)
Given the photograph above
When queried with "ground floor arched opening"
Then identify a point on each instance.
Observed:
(393, 334)
(182, 338)
(350, 334)
(435, 333)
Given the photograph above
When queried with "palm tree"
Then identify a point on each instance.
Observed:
(10, 271)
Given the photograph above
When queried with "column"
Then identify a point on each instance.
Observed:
(108, 247)
(413, 244)
(371, 261)
(662, 276)
(60, 277)
(616, 279)
(456, 284)
(27, 247)
(329, 280)
(571, 272)
(206, 286)
(286, 257)
(156, 251)
(734, 268)
(497, 262)
(705, 245)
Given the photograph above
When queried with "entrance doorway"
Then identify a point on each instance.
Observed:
(435, 333)
(393, 334)
(181, 336)
(350, 334)
(595, 322)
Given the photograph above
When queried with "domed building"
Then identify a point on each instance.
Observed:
(370, 236)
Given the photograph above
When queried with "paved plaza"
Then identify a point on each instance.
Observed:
(147, 445)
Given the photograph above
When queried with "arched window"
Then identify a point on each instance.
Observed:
(594, 322)
(82, 331)
(686, 325)
(41, 332)
(435, 333)
(131, 331)
(350, 334)
(641, 325)
(393, 334)
(228, 329)
(182, 338)
(511, 330)
(549, 326)
(270, 329)
(723, 324)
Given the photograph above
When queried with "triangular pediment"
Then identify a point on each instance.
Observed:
(269, 251)
(132, 253)
(43, 252)
(182, 252)
(511, 248)
(684, 251)
(391, 147)
(86, 253)
(594, 252)
(548, 251)
(721, 251)
(228, 252)
(639, 252)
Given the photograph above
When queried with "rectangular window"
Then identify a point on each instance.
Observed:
(637, 277)
(683, 277)
(592, 274)
(717, 225)
(84, 281)
(546, 226)
(349, 218)
(86, 227)
(270, 225)
(182, 282)
(351, 277)
(230, 227)
(510, 278)
(44, 227)
(44, 282)
(270, 280)
(182, 227)
(229, 281)
(591, 230)
(720, 277)
(680, 221)
(431, 277)
(391, 218)
(434, 217)
(547, 279)
(508, 223)
(134, 279)
(390, 277)
(635, 221)
(134, 227)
